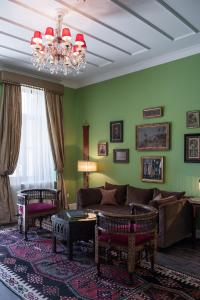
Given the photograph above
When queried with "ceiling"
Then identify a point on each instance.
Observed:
(122, 36)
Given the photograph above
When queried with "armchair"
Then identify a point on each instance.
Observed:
(126, 237)
(36, 203)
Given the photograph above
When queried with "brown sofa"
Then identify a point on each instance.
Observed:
(175, 212)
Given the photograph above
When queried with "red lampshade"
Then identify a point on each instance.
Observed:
(37, 38)
(66, 34)
(79, 39)
(75, 50)
(49, 34)
(84, 45)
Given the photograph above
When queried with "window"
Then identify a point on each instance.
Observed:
(35, 167)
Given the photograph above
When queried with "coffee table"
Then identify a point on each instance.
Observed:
(72, 230)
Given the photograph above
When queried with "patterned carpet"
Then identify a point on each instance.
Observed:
(32, 271)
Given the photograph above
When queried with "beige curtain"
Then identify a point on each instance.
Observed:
(55, 127)
(10, 134)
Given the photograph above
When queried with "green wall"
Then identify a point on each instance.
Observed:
(175, 86)
(70, 112)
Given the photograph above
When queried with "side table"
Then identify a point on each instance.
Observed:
(72, 230)
(195, 202)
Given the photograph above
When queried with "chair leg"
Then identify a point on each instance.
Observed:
(130, 275)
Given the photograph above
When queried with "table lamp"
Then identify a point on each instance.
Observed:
(86, 167)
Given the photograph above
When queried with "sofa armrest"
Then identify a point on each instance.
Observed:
(175, 222)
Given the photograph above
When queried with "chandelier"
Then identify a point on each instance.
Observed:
(56, 52)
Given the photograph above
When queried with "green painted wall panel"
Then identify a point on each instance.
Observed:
(175, 86)
(70, 112)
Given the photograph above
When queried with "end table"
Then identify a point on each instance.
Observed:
(195, 202)
(72, 230)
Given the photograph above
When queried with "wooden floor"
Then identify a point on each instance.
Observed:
(181, 256)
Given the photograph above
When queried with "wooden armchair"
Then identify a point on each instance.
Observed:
(126, 237)
(36, 203)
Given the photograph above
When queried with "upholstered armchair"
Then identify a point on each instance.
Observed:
(36, 204)
(126, 237)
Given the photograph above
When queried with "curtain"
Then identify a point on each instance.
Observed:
(10, 132)
(35, 167)
(55, 126)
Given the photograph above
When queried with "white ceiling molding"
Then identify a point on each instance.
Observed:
(122, 36)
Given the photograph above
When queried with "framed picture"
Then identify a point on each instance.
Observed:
(153, 112)
(121, 155)
(116, 132)
(102, 149)
(192, 119)
(192, 148)
(152, 169)
(153, 136)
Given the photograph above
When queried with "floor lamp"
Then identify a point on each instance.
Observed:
(86, 167)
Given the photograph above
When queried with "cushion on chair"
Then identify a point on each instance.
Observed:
(108, 197)
(166, 194)
(120, 193)
(139, 195)
(122, 239)
(38, 207)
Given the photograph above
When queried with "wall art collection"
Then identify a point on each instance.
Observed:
(154, 137)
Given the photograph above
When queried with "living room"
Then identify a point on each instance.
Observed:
(116, 88)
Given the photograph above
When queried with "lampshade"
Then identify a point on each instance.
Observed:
(37, 38)
(66, 34)
(49, 34)
(79, 39)
(87, 166)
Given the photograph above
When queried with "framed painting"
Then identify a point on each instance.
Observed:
(153, 112)
(116, 132)
(102, 149)
(121, 155)
(192, 148)
(152, 169)
(153, 137)
(193, 119)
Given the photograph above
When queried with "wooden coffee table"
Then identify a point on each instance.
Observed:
(72, 230)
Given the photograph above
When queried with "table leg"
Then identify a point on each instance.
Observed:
(54, 244)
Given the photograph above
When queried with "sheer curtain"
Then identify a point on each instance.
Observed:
(35, 167)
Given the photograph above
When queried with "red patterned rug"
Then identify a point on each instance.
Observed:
(33, 272)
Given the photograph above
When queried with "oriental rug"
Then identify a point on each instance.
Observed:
(32, 271)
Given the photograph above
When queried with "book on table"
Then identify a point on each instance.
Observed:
(76, 214)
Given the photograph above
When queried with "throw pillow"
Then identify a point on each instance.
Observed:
(166, 194)
(108, 197)
(138, 195)
(120, 193)
(157, 202)
(89, 196)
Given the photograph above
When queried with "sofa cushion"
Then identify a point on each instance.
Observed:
(108, 197)
(34, 208)
(166, 194)
(156, 202)
(120, 193)
(116, 209)
(89, 196)
(138, 195)
(122, 239)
